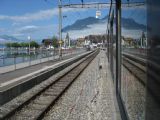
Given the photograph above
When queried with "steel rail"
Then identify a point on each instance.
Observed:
(42, 101)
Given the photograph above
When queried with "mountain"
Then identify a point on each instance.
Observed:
(6, 38)
(131, 24)
(3, 41)
(81, 24)
(127, 23)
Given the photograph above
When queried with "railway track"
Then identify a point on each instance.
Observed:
(39, 104)
(138, 67)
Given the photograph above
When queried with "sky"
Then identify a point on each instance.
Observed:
(39, 18)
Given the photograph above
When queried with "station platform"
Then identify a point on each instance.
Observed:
(90, 97)
(7, 74)
(14, 83)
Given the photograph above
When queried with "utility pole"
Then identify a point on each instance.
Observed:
(60, 29)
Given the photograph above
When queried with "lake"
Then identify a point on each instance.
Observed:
(10, 57)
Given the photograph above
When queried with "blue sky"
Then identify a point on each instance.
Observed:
(21, 18)
(39, 18)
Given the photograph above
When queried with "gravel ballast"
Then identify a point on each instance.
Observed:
(90, 97)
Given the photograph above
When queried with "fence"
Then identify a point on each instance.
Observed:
(15, 61)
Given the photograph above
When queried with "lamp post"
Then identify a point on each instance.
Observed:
(29, 39)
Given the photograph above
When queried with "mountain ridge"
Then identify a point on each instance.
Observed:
(80, 24)
(6, 38)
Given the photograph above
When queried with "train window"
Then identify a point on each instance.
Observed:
(134, 47)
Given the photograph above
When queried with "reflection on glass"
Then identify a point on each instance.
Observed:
(134, 47)
(153, 76)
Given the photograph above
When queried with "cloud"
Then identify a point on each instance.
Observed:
(43, 14)
(36, 32)
(27, 29)
(91, 30)
(132, 6)
(100, 28)
(2, 29)
(15, 24)
(17, 35)
(40, 15)
(136, 34)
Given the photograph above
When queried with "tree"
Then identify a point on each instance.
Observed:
(55, 41)
(8, 45)
(34, 44)
(23, 44)
(15, 45)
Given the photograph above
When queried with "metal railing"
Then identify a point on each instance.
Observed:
(19, 60)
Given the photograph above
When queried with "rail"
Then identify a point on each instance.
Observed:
(46, 97)
(137, 66)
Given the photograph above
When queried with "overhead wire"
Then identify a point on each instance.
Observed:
(69, 2)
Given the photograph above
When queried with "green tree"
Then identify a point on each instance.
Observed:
(15, 44)
(34, 44)
(8, 45)
(23, 44)
(55, 41)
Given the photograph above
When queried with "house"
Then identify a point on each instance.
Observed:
(128, 42)
(47, 43)
(80, 42)
(96, 38)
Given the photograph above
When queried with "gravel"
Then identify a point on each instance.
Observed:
(4, 109)
(90, 97)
